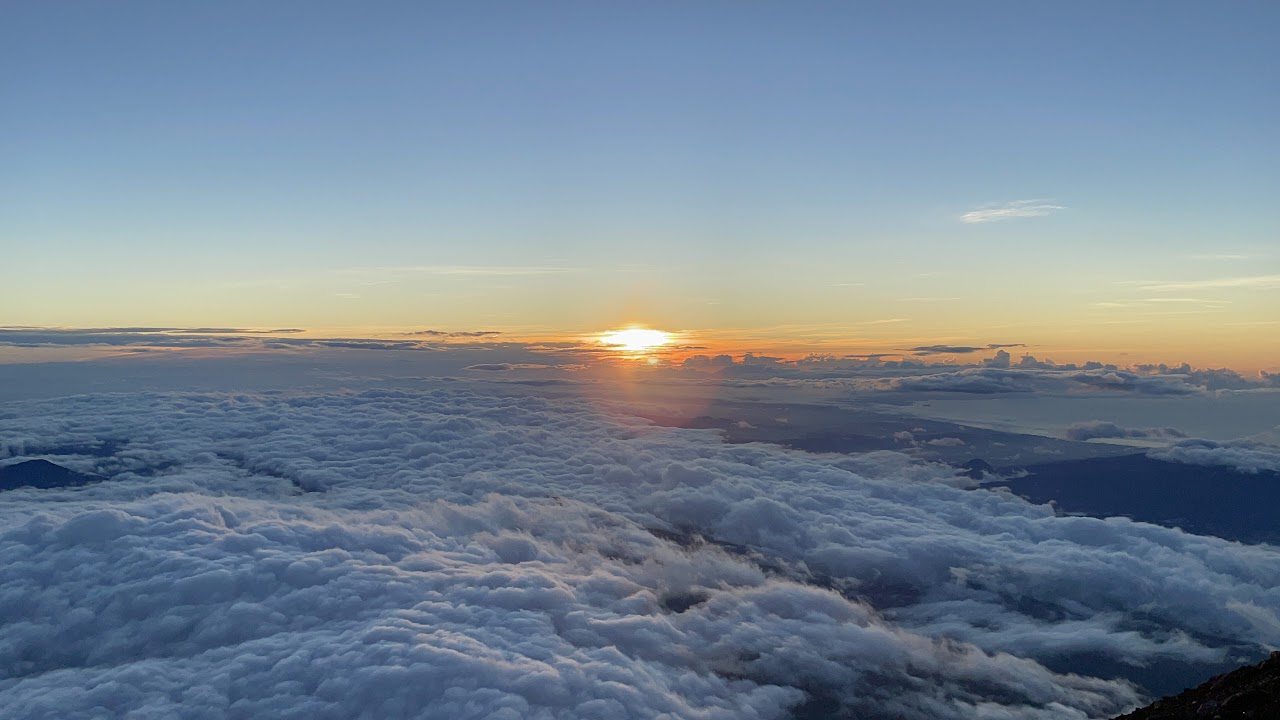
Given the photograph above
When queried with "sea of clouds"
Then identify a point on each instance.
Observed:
(454, 552)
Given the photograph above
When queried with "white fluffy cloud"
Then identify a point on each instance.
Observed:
(464, 555)
(1103, 429)
(1243, 455)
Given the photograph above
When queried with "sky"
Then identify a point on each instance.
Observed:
(1092, 180)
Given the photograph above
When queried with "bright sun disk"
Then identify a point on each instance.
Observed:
(636, 339)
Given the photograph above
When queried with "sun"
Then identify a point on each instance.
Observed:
(636, 340)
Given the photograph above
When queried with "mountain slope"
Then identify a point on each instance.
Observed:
(41, 474)
(1251, 692)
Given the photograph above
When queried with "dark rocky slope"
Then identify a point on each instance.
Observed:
(1251, 693)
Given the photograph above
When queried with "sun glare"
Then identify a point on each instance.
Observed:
(636, 340)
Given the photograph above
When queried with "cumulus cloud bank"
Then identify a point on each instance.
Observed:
(451, 554)
(1102, 429)
(1243, 455)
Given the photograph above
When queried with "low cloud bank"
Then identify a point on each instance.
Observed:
(1102, 429)
(1243, 455)
(994, 375)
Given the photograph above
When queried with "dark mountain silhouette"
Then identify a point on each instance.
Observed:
(1206, 500)
(977, 468)
(42, 474)
(1249, 693)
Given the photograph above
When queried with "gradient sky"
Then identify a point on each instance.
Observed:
(1089, 178)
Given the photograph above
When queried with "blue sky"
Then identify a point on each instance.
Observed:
(697, 165)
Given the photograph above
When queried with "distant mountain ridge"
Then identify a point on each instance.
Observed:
(43, 475)
(1251, 693)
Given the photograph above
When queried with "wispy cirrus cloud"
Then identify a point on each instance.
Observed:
(366, 276)
(1250, 281)
(457, 334)
(1011, 210)
(457, 270)
(1218, 256)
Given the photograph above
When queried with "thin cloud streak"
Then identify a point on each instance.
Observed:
(1252, 281)
(393, 274)
(482, 270)
(1010, 211)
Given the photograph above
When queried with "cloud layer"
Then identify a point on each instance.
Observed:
(1103, 429)
(447, 553)
(1243, 455)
